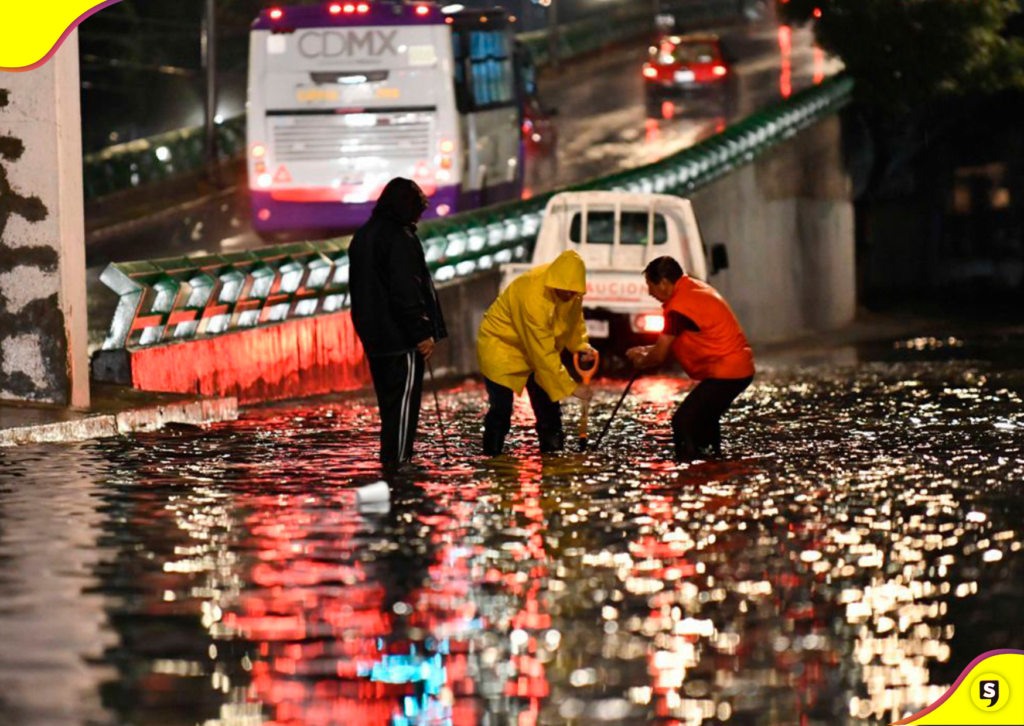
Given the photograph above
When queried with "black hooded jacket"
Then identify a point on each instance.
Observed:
(394, 303)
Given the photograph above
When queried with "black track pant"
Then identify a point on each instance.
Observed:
(696, 424)
(499, 418)
(398, 382)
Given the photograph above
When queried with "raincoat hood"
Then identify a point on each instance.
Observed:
(567, 272)
(401, 200)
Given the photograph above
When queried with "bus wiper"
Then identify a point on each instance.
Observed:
(348, 79)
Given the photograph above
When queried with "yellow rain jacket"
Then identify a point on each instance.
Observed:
(528, 327)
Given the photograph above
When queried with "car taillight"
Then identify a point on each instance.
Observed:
(719, 70)
(651, 323)
(650, 71)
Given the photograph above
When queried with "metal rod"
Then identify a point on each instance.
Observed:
(597, 444)
(437, 405)
(208, 48)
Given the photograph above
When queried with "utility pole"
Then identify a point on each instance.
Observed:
(553, 33)
(208, 40)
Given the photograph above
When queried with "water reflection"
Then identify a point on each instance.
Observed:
(859, 547)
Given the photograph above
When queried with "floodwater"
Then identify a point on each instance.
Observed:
(860, 545)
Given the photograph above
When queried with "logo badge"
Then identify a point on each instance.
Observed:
(990, 692)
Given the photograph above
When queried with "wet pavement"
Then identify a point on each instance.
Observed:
(860, 544)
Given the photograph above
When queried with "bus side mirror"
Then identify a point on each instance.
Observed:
(719, 258)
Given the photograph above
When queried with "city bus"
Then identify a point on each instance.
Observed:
(344, 96)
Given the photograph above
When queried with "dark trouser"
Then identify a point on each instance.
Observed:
(696, 425)
(499, 418)
(398, 382)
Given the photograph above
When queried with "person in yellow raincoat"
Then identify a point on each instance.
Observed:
(520, 343)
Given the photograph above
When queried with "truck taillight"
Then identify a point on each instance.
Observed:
(276, 13)
(362, 8)
(422, 10)
(650, 71)
(719, 70)
(651, 323)
(264, 180)
(259, 151)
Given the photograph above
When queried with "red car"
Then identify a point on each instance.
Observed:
(684, 66)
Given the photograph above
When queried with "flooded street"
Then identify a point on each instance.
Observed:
(860, 545)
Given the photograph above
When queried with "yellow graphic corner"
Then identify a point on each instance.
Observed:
(30, 33)
(989, 692)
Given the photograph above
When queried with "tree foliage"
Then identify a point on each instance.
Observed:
(907, 53)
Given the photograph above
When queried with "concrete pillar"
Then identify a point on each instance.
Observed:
(43, 329)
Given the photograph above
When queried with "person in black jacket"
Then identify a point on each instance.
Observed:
(395, 312)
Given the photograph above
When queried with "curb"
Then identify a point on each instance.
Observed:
(99, 426)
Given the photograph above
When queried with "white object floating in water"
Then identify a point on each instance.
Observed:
(376, 493)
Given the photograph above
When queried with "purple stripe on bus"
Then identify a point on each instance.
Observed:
(297, 216)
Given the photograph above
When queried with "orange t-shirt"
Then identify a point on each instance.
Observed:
(719, 349)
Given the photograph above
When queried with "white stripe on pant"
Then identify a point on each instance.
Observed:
(403, 432)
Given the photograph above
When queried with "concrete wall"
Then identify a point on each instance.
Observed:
(42, 245)
(788, 223)
(464, 304)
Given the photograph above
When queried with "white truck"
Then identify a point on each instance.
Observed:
(617, 234)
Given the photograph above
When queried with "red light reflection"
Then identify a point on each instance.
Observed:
(786, 48)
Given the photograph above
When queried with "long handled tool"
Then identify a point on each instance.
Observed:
(597, 444)
(587, 374)
(437, 404)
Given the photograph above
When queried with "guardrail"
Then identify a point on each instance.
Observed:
(185, 298)
(188, 297)
(144, 161)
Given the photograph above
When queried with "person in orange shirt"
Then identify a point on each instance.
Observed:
(704, 335)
